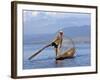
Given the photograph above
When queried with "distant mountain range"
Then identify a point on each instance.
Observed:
(81, 31)
(76, 33)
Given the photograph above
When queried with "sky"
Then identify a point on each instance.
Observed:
(44, 22)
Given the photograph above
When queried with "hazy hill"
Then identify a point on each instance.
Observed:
(80, 33)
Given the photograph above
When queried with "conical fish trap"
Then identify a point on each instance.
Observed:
(68, 48)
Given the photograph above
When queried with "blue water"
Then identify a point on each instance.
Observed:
(46, 59)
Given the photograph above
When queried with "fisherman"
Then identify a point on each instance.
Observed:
(57, 43)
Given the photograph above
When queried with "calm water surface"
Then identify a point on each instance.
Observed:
(46, 59)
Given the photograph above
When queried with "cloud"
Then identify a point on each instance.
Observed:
(58, 15)
(50, 22)
(35, 13)
(64, 14)
(51, 13)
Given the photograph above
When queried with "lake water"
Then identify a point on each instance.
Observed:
(46, 59)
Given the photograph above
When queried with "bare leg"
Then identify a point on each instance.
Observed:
(56, 50)
(59, 52)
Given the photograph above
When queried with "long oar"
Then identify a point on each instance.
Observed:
(38, 52)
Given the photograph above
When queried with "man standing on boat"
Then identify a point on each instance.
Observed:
(57, 43)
